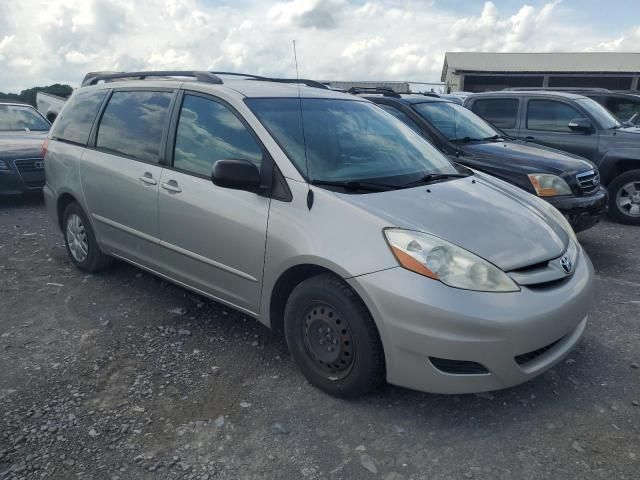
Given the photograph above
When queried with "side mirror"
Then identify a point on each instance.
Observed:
(236, 174)
(581, 124)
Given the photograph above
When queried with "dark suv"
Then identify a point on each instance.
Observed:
(22, 132)
(568, 182)
(576, 124)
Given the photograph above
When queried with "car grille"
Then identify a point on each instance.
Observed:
(28, 165)
(531, 356)
(31, 171)
(589, 181)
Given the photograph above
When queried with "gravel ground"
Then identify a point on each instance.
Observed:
(123, 375)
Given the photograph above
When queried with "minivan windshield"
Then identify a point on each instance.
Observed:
(456, 122)
(349, 141)
(601, 115)
(16, 117)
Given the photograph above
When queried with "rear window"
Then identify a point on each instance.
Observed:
(75, 121)
(132, 124)
(501, 112)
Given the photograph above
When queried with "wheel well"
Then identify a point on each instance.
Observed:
(624, 166)
(63, 201)
(289, 280)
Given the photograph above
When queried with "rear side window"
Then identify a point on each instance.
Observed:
(502, 112)
(550, 115)
(132, 124)
(75, 121)
(207, 132)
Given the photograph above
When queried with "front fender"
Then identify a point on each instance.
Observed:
(608, 165)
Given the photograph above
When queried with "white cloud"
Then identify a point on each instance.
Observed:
(43, 42)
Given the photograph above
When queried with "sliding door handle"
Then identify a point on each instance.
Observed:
(171, 186)
(148, 179)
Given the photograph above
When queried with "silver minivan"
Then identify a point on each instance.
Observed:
(325, 218)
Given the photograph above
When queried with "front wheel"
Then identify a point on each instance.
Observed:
(82, 247)
(333, 338)
(624, 198)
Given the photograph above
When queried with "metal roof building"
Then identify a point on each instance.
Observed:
(482, 71)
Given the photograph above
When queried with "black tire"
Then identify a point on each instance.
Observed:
(327, 301)
(95, 260)
(615, 211)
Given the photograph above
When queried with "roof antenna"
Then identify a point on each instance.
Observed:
(304, 137)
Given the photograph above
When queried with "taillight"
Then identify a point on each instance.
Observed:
(45, 146)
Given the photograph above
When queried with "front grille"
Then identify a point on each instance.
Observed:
(531, 356)
(28, 165)
(588, 181)
(458, 367)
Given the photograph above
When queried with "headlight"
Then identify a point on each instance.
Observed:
(438, 259)
(547, 185)
(3, 165)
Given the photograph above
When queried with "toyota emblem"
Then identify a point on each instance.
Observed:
(566, 264)
(39, 164)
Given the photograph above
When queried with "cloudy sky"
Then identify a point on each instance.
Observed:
(44, 42)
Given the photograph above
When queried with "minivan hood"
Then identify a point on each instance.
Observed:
(16, 145)
(529, 158)
(486, 216)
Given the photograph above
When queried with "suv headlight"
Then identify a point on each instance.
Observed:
(438, 259)
(547, 185)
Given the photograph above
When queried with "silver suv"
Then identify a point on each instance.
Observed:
(325, 218)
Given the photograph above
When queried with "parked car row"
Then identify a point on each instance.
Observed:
(380, 256)
(578, 125)
(568, 182)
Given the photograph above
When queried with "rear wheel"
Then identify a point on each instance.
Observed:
(82, 247)
(624, 198)
(332, 337)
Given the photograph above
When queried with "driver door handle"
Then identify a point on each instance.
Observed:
(171, 186)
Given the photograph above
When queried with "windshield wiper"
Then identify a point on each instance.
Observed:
(355, 185)
(469, 139)
(434, 177)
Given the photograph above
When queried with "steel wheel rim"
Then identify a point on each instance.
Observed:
(628, 199)
(328, 341)
(77, 238)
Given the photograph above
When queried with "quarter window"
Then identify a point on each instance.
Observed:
(550, 115)
(132, 124)
(501, 112)
(75, 121)
(207, 132)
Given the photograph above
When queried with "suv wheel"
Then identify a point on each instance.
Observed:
(80, 241)
(332, 337)
(624, 198)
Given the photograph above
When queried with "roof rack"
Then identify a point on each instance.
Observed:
(560, 89)
(93, 78)
(385, 91)
(250, 76)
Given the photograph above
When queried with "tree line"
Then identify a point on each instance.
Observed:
(29, 95)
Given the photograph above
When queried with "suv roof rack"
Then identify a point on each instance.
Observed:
(560, 89)
(385, 91)
(93, 78)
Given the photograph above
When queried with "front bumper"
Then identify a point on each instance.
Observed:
(16, 181)
(582, 212)
(419, 318)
